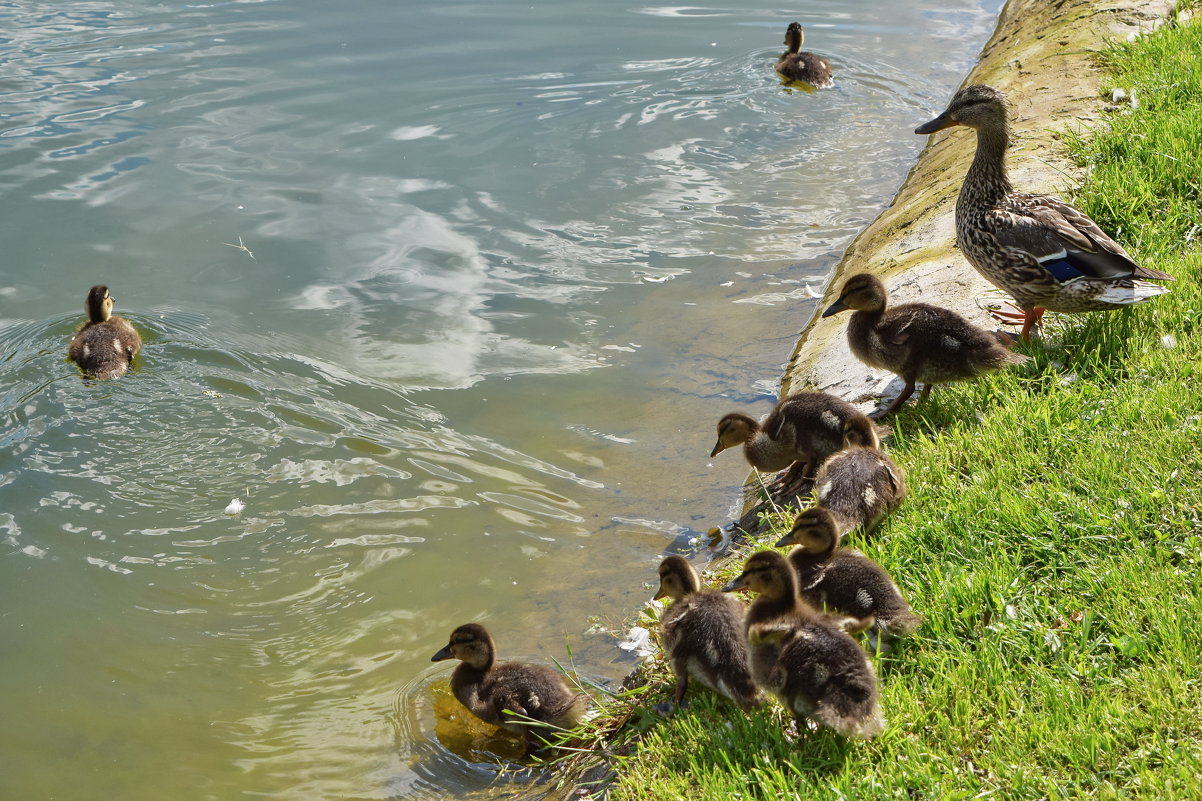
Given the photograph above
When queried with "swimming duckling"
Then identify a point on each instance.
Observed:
(703, 635)
(816, 670)
(105, 345)
(803, 66)
(860, 484)
(917, 341)
(802, 430)
(844, 579)
(509, 694)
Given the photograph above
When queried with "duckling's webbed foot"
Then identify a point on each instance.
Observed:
(682, 686)
(906, 392)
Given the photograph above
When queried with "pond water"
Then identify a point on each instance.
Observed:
(450, 295)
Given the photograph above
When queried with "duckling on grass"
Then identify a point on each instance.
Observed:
(860, 484)
(105, 345)
(917, 341)
(801, 431)
(802, 65)
(843, 579)
(522, 698)
(702, 634)
(815, 669)
(1044, 252)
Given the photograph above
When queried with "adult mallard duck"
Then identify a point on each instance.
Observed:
(798, 65)
(815, 669)
(1041, 250)
(509, 694)
(843, 579)
(802, 430)
(860, 484)
(105, 345)
(917, 341)
(702, 633)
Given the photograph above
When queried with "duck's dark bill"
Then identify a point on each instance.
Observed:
(937, 124)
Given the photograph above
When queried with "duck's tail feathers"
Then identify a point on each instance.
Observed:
(1128, 293)
(1008, 341)
(852, 707)
(1154, 275)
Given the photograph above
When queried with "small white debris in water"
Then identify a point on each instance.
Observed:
(811, 293)
(235, 507)
(639, 642)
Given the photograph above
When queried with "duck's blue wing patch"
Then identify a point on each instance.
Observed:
(1063, 269)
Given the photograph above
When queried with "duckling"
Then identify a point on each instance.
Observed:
(844, 579)
(703, 634)
(798, 65)
(917, 341)
(802, 430)
(509, 694)
(105, 345)
(816, 670)
(860, 484)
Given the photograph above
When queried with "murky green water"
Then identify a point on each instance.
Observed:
(505, 265)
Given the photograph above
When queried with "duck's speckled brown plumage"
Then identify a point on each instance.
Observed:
(496, 692)
(702, 633)
(105, 345)
(816, 670)
(860, 484)
(799, 65)
(804, 429)
(1041, 250)
(844, 580)
(919, 342)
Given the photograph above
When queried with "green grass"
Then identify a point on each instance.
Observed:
(1053, 539)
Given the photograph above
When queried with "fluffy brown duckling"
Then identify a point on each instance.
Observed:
(105, 345)
(843, 579)
(509, 694)
(802, 430)
(799, 65)
(860, 484)
(815, 669)
(702, 633)
(917, 341)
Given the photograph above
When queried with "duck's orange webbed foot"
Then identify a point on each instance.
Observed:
(1010, 313)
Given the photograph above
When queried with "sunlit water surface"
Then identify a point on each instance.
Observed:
(449, 294)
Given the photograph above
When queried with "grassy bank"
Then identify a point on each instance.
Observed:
(1053, 538)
